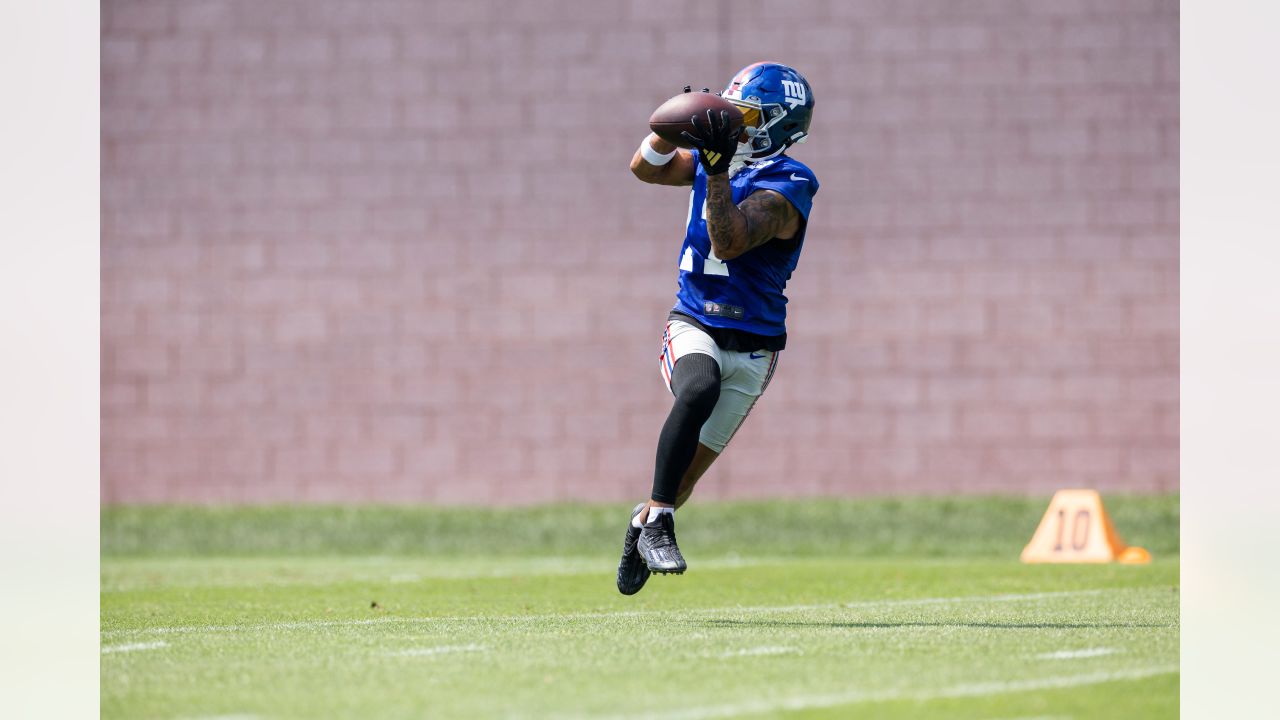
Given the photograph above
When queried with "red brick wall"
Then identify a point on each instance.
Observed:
(390, 251)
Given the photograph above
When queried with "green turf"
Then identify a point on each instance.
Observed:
(918, 527)
(259, 613)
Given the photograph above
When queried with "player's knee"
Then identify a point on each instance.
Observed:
(699, 397)
(702, 395)
(696, 382)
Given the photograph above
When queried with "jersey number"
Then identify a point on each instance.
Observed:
(711, 265)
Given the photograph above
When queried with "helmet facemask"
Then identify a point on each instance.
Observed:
(757, 120)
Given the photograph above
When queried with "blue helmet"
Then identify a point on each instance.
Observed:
(777, 107)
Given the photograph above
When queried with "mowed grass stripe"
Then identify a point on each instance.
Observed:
(123, 574)
(539, 617)
(917, 527)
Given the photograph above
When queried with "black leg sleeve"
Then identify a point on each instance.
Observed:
(696, 384)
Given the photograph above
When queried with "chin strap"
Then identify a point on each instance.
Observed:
(742, 158)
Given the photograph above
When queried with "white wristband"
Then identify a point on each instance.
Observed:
(653, 157)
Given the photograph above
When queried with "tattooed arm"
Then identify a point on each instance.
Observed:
(735, 229)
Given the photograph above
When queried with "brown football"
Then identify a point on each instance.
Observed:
(672, 117)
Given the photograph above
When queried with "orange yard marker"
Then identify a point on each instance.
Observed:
(1077, 529)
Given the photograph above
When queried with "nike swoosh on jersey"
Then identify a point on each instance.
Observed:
(799, 177)
(754, 356)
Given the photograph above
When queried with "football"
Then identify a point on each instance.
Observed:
(672, 117)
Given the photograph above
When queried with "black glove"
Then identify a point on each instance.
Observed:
(716, 140)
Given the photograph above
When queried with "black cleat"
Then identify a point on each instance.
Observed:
(658, 545)
(632, 572)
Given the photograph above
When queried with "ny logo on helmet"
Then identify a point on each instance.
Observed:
(794, 92)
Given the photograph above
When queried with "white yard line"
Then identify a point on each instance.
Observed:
(1073, 654)
(762, 650)
(404, 574)
(438, 650)
(862, 604)
(130, 647)
(1040, 718)
(871, 696)
(297, 625)
(1014, 597)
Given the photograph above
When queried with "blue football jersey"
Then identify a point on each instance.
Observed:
(748, 292)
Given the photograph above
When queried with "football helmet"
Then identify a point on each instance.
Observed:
(777, 107)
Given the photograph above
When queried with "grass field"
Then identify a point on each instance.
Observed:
(820, 609)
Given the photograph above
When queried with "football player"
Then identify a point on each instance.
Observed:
(747, 215)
